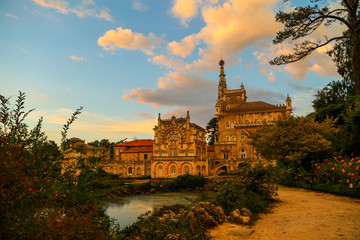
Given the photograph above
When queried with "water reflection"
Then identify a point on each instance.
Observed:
(128, 209)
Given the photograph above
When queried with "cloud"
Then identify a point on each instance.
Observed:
(59, 5)
(11, 16)
(91, 126)
(73, 57)
(125, 38)
(260, 94)
(185, 47)
(86, 9)
(185, 10)
(140, 6)
(146, 116)
(176, 89)
(302, 102)
(172, 63)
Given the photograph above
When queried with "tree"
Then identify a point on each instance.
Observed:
(106, 144)
(212, 130)
(294, 140)
(303, 21)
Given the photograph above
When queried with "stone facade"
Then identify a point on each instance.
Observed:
(179, 148)
(132, 159)
(236, 117)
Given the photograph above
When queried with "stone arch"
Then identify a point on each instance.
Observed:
(159, 170)
(173, 169)
(221, 170)
(183, 166)
(203, 170)
(198, 170)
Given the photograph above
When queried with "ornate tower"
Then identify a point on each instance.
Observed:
(220, 105)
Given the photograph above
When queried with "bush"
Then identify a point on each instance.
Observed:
(36, 200)
(253, 188)
(186, 181)
(150, 227)
(337, 174)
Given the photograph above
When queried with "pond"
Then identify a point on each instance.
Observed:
(126, 210)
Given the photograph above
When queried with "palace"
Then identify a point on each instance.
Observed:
(236, 117)
(179, 146)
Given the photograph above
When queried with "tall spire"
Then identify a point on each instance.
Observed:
(222, 82)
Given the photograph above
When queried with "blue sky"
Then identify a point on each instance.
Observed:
(126, 61)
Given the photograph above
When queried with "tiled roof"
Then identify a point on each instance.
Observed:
(138, 142)
(259, 106)
(138, 150)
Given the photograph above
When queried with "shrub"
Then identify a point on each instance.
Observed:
(253, 188)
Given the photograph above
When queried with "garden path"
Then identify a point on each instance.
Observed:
(302, 215)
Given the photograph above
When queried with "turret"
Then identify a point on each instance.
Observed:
(288, 105)
(222, 82)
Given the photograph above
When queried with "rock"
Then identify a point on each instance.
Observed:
(168, 214)
(235, 217)
(246, 219)
(246, 212)
(193, 223)
(213, 210)
(240, 232)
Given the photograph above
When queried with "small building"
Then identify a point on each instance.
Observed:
(132, 159)
(79, 150)
(179, 148)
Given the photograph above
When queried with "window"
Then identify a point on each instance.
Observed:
(175, 152)
(138, 171)
(173, 169)
(227, 125)
(232, 125)
(226, 155)
(264, 120)
(121, 170)
(243, 153)
(228, 138)
(187, 169)
(130, 170)
(171, 152)
(227, 100)
(186, 153)
(238, 99)
(227, 107)
(117, 151)
(160, 153)
(145, 156)
(242, 137)
(234, 138)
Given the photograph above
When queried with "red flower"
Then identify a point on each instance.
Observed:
(69, 227)
(340, 157)
(352, 154)
(315, 171)
(327, 160)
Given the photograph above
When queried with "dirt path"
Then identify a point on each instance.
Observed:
(302, 215)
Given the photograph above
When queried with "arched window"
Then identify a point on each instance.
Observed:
(138, 171)
(242, 137)
(117, 151)
(227, 100)
(187, 169)
(204, 170)
(121, 170)
(238, 99)
(186, 153)
(160, 153)
(227, 124)
(130, 170)
(175, 152)
(173, 170)
(228, 138)
(234, 138)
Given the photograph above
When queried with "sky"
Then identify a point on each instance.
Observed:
(126, 61)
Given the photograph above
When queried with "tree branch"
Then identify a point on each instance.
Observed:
(302, 50)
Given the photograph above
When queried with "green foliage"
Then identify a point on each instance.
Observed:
(106, 144)
(338, 174)
(303, 21)
(36, 200)
(294, 139)
(150, 227)
(186, 181)
(212, 129)
(254, 188)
